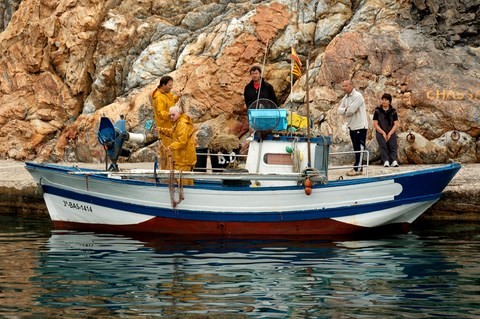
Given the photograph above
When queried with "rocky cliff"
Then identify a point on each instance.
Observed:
(65, 63)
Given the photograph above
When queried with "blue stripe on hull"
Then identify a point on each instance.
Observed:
(229, 216)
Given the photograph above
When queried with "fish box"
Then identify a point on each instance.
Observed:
(267, 119)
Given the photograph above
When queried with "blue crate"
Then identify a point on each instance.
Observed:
(267, 119)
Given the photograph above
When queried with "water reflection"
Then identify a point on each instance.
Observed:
(77, 274)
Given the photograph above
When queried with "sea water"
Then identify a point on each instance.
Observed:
(433, 271)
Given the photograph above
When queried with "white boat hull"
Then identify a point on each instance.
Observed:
(99, 202)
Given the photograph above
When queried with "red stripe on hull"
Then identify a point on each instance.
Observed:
(176, 226)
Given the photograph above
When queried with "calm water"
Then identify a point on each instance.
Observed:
(432, 272)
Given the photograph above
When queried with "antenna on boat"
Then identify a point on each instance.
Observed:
(309, 163)
(256, 106)
(290, 130)
(261, 79)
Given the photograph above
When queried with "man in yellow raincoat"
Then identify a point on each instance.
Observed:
(163, 99)
(182, 148)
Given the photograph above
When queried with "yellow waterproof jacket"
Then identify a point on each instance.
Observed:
(183, 145)
(162, 102)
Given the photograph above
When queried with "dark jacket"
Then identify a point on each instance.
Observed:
(250, 94)
(385, 119)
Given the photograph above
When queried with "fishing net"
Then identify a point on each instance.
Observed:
(224, 143)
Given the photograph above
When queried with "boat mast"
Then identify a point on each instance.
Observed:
(261, 74)
(309, 163)
(257, 182)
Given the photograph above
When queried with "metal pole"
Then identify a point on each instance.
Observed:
(308, 115)
(261, 76)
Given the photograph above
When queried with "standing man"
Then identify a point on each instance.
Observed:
(182, 149)
(250, 94)
(353, 108)
(163, 100)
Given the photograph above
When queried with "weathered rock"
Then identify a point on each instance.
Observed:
(7, 8)
(418, 149)
(459, 146)
(455, 22)
(65, 63)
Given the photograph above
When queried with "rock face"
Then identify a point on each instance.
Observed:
(7, 8)
(65, 63)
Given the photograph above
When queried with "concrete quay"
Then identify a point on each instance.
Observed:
(460, 201)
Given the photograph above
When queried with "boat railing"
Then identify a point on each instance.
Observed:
(364, 165)
(218, 161)
(222, 154)
(228, 172)
(226, 158)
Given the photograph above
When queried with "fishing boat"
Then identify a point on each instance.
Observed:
(282, 189)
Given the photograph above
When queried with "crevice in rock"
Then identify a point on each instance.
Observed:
(7, 9)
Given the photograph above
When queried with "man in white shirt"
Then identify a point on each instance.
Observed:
(353, 108)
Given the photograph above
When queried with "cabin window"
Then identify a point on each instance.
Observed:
(277, 159)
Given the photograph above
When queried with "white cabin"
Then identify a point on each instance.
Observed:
(286, 154)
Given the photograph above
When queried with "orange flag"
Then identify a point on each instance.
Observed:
(297, 64)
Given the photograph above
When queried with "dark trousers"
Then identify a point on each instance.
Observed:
(388, 149)
(359, 139)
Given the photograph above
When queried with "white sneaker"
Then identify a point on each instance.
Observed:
(394, 164)
(386, 164)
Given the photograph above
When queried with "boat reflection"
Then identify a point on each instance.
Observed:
(283, 276)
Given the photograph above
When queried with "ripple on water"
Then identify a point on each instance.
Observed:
(46, 274)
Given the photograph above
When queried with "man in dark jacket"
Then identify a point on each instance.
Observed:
(257, 83)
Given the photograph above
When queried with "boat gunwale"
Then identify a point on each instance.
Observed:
(214, 185)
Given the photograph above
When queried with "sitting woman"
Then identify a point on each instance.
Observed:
(385, 121)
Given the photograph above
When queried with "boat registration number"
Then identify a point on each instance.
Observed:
(77, 206)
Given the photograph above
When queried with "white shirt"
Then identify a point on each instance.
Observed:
(353, 108)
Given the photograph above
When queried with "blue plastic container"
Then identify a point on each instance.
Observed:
(267, 119)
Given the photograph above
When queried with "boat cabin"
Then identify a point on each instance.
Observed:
(282, 154)
(275, 150)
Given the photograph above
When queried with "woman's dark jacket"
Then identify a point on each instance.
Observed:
(386, 118)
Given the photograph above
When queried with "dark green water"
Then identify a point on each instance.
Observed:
(434, 271)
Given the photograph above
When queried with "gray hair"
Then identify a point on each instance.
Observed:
(175, 109)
